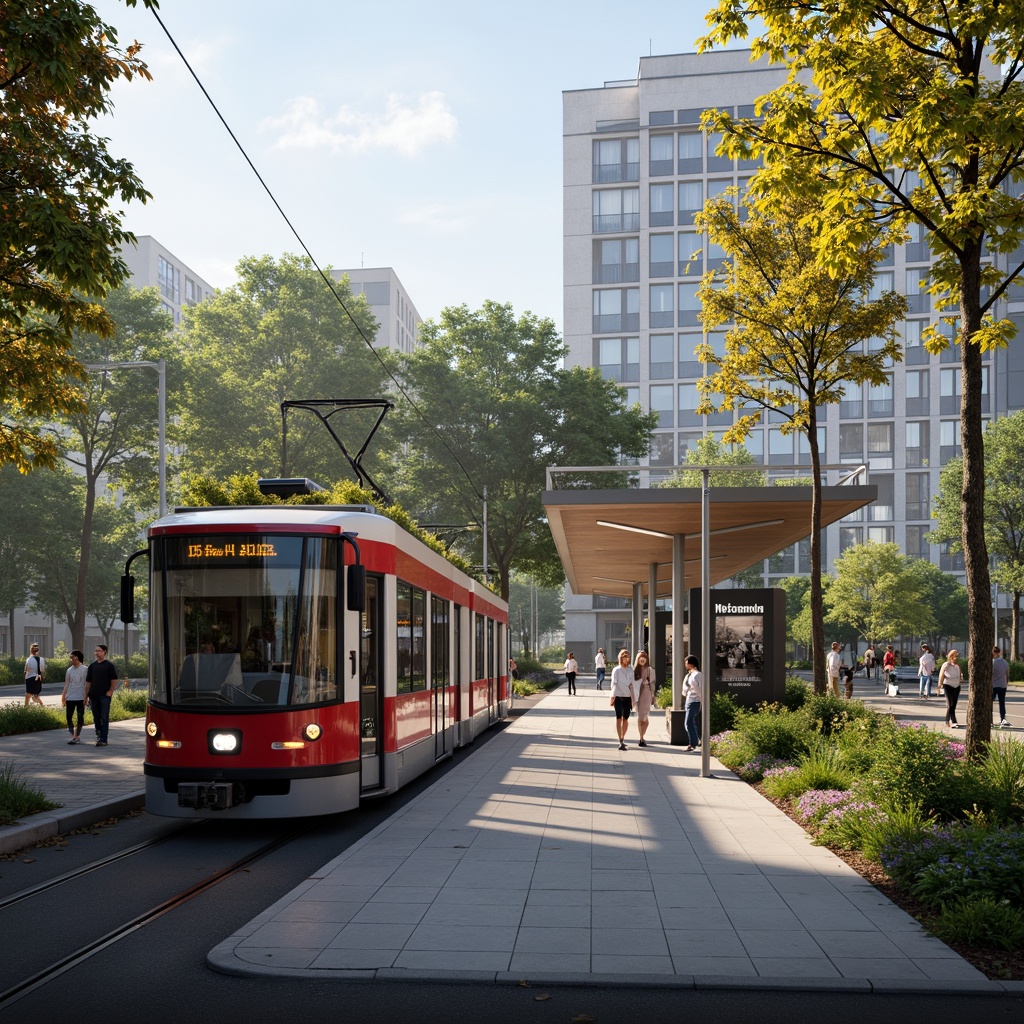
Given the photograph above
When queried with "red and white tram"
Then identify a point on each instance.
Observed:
(286, 680)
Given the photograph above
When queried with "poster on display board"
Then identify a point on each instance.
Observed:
(748, 629)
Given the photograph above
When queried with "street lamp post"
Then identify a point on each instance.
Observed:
(160, 365)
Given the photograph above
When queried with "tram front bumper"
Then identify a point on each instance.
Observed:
(211, 796)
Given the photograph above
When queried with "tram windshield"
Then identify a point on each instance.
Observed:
(246, 620)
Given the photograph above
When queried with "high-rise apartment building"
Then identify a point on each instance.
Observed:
(637, 168)
(390, 304)
(153, 266)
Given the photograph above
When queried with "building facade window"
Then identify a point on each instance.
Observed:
(616, 260)
(618, 359)
(662, 156)
(689, 304)
(918, 495)
(949, 391)
(917, 545)
(918, 300)
(662, 212)
(691, 153)
(880, 399)
(916, 447)
(616, 309)
(662, 356)
(917, 392)
(616, 160)
(662, 256)
(662, 312)
(691, 200)
(616, 209)
(949, 440)
(663, 403)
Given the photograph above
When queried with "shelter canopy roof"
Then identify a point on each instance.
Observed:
(607, 539)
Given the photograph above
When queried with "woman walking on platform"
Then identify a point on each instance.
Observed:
(950, 678)
(644, 682)
(622, 695)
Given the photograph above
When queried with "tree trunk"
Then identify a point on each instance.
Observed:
(817, 609)
(980, 622)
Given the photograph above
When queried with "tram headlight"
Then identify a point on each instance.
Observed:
(224, 742)
(152, 729)
(312, 731)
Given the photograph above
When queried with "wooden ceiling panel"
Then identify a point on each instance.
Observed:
(608, 539)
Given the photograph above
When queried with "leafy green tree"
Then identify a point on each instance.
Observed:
(797, 339)
(495, 409)
(523, 593)
(16, 531)
(946, 596)
(709, 451)
(52, 555)
(59, 238)
(114, 441)
(880, 592)
(1004, 508)
(908, 114)
(278, 334)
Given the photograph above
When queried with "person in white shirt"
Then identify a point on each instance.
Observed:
(925, 668)
(600, 664)
(623, 694)
(693, 687)
(73, 695)
(950, 678)
(35, 670)
(833, 662)
(571, 668)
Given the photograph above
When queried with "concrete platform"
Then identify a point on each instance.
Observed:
(553, 856)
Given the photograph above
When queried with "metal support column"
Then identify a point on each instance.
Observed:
(637, 641)
(707, 641)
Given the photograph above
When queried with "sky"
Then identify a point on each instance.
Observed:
(422, 136)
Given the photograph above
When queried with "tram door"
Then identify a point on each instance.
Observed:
(492, 674)
(439, 672)
(371, 684)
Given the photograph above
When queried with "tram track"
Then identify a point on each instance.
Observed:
(71, 960)
(96, 865)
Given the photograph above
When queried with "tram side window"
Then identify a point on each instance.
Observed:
(411, 638)
(479, 671)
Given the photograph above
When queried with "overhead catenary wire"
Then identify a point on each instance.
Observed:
(326, 277)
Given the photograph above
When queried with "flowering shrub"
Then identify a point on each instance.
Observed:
(962, 859)
(755, 769)
(814, 805)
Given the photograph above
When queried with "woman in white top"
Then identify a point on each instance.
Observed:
(950, 678)
(571, 668)
(623, 693)
(35, 670)
(600, 664)
(644, 683)
(73, 695)
(925, 668)
(693, 687)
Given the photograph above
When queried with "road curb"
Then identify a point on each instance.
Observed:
(45, 826)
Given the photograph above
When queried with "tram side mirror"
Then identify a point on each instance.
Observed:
(127, 598)
(356, 596)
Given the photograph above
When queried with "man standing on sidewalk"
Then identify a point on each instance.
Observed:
(102, 679)
(833, 662)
